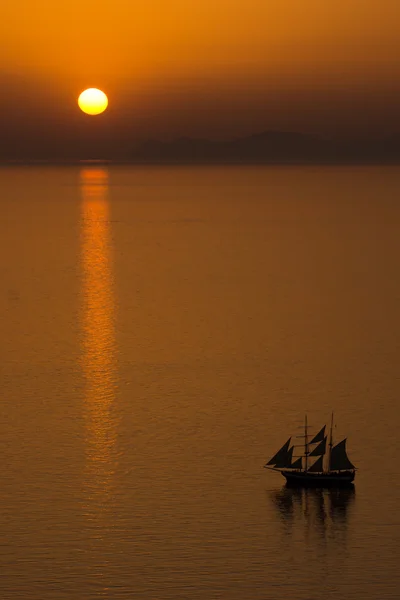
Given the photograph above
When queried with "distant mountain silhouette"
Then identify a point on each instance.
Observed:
(270, 147)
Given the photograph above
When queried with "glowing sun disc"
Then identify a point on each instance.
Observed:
(93, 101)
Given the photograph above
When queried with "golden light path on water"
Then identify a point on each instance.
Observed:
(98, 339)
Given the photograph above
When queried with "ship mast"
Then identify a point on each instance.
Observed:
(330, 444)
(305, 444)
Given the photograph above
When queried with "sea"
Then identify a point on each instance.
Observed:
(164, 330)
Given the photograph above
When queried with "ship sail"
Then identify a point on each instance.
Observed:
(319, 436)
(285, 461)
(298, 464)
(320, 449)
(339, 460)
(317, 467)
(280, 455)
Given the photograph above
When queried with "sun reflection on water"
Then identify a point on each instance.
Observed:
(98, 343)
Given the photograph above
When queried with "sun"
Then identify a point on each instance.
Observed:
(93, 101)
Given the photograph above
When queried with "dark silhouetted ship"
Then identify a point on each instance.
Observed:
(321, 464)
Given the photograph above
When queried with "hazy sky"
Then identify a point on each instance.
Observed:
(216, 68)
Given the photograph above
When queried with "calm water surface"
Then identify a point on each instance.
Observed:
(164, 330)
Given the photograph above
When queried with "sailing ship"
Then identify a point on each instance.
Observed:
(332, 467)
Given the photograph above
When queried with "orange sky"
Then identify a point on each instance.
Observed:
(221, 67)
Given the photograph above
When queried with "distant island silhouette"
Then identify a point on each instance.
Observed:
(268, 147)
(271, 147)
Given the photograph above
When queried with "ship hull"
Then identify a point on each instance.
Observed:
(332, 479)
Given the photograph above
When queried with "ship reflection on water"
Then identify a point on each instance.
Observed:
(320, 510)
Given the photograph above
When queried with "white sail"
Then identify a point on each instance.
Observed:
(320, 449)
(339, 460)
(298, 464)
(319, 436)
(280, 455)
(317, 466)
